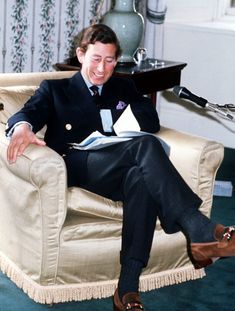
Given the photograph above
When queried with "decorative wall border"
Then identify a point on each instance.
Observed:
(95, 10)
(19, 27)
(71, 26)
(47, 35)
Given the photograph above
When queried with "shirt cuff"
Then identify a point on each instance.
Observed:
(10, 132)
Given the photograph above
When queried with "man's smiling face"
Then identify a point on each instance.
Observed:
(98, 62)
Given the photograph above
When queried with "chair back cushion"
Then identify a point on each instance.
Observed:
(13, 98)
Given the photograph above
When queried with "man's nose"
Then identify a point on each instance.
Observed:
(101, 66)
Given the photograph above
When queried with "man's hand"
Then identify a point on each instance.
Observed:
(22, 137)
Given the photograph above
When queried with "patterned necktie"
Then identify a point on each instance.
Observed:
(95, 94)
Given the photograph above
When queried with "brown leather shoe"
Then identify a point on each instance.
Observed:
(130, 302)
(204, 254)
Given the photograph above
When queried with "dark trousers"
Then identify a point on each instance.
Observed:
(139, 173)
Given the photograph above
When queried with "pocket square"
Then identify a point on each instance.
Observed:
(121, 105)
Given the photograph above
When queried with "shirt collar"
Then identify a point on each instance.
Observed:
(89, 84)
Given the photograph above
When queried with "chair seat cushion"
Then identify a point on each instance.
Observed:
(90, 204)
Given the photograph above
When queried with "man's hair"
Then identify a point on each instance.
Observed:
(98, 33)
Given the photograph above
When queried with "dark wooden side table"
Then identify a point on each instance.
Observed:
(150, 77)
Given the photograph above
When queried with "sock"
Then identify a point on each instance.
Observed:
(197, 227)
(129, 277)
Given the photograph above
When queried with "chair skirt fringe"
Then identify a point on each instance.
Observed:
(93, 290)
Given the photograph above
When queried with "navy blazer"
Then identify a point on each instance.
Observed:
(67, 107)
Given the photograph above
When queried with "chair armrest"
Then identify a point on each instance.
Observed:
(33, 196)
(197, 159)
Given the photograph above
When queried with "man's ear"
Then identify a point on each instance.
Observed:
(80, 54)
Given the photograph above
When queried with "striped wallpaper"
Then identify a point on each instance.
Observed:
(35, 34)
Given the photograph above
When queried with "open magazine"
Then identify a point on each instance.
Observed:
(126, 127)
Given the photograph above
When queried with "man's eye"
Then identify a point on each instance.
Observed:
(110, 60)
(95, 59)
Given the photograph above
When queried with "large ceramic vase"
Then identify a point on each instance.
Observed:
(128, 25)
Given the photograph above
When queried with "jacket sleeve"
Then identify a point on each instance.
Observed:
(144, 110)
(36, 110)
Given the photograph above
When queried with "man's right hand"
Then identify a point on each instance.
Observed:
(21, 138)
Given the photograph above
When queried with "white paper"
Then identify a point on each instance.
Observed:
(96, 140)
(126, 122)
(126, 127)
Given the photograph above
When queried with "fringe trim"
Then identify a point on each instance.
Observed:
(170, 277)
(94, 290)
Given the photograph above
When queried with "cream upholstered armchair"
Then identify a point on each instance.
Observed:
(60, 244)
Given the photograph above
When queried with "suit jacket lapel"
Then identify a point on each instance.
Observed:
(111, 99)
(82, 101)
(78, 91)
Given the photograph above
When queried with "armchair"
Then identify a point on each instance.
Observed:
(61, 244)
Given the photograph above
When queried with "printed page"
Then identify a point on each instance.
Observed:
(126, 127)
(96, 140)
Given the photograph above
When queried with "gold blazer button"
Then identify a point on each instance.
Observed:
(68, 126)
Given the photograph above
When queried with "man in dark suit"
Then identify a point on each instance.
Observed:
(136, 171)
